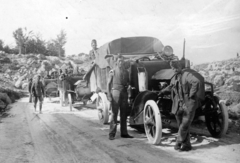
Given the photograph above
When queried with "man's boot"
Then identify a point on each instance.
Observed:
(177, 145)
(111, 137)
(30, 99)
(35, 109)
(186, 145)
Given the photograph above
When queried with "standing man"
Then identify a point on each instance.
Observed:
(92, 53)
(63, 86)
(187, 90)
(38, 93)
(118, 96)
(29, 90)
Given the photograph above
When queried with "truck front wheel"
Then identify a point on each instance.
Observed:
(152, 122)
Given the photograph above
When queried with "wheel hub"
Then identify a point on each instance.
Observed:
(149, 121)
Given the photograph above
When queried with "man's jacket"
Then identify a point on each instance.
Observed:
(92, 54)
(186, 88)
(37, 89)
(120, 79)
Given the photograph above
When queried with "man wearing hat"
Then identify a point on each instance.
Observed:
(38, 93)
(92, 53)
(29, 90)
(186, 87)
(118, 96)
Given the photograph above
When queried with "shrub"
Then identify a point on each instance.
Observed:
(5, 60)
(14, 66)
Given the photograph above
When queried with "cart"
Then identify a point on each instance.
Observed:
(77, 90)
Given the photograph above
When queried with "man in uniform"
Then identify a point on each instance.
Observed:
(38, 93)
(92, 53)
(186, 88)
(118, 96)
(29, 90)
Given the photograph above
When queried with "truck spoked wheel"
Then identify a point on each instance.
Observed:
(216, 118)
(152, 122)
(70, 101)
(102, 108)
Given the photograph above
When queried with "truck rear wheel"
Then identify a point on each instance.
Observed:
(102, 107)
(70, 101)
(152, 122)
(216, 118)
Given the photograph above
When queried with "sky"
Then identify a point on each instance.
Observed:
(211, 28)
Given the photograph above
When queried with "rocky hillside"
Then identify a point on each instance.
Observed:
(225, 75)
(15, 70)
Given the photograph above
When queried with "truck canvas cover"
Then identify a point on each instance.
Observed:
(129, 47)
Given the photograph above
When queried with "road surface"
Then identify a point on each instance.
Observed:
(59, 135)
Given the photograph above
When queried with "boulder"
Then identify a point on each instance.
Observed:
(46, 63)
(46, 66)
(54, 60)
(18, 83)
(25, 86)
(212, 75)
(41, 56)
(229, 81)
(232, 79)
(5, 60)
(5, 98)
(218, 80)
(210, 67)
(8, 71)
(236, 86)
(203, 73)
(226, 67)
(234, 112)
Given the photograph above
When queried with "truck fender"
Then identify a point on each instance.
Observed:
(138, 105)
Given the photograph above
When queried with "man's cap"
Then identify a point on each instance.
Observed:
(94, 41)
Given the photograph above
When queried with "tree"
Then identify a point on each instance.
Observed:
(1, 45)
(22, 38)
(7, 49)
(60, 41)
(52, 49)
(36, 45)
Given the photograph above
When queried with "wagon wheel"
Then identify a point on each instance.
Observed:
(102, 107)
(152, 122)
(61, 98)
(216, 119)
(70, 101)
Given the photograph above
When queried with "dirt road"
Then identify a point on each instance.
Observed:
(59, 135)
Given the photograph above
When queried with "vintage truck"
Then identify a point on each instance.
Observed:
(149, 73)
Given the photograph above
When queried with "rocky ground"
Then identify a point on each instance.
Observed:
(60, 135)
